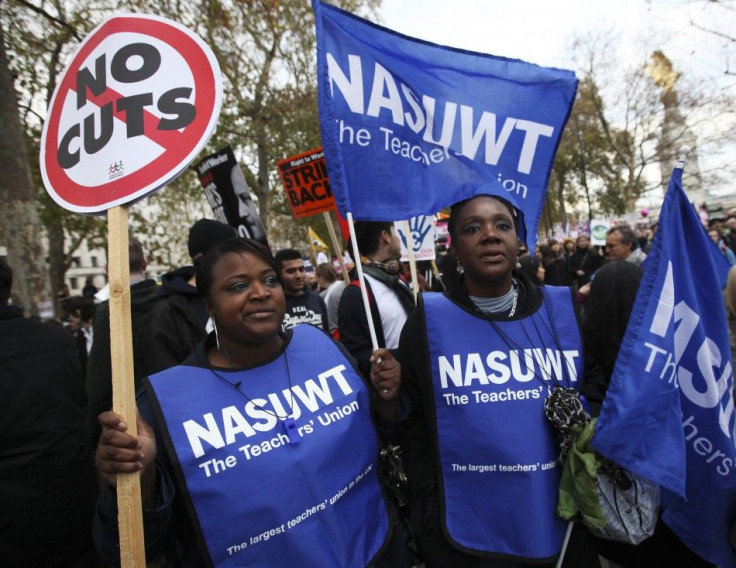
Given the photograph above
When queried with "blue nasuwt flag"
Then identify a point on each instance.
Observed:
(669, 411)
(410, 127)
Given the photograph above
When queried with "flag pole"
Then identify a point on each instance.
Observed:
(311, 246)
(565, 542)
(412, 260)
(361, 278)
(336, 245)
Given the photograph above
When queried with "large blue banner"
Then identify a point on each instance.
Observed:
(410, 127)
(669, 411)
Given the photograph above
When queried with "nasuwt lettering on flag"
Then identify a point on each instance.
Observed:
(669, 411)
(409, 127)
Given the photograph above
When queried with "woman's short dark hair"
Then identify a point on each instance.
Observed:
(457, 207)
(205, 269)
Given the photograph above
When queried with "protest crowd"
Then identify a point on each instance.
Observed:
(512, 401)
(581, 295)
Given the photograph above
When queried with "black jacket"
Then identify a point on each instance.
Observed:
(143, 296)
(352, 322)
(586, 260)
(176, 324)
(47, 477)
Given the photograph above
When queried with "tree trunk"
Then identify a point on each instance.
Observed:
(23, 233)
(57, 262)
(561, 202)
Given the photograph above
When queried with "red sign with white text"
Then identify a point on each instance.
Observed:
(137, 103)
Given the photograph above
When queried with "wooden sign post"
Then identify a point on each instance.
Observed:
(130, 516)
(336, 246)
(141, 152)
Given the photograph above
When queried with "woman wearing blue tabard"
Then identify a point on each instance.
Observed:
(261, 449)
(478, 363)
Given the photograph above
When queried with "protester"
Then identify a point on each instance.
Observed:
(322, 257)
(389, 297)
(715, 236)
(556, 272)
(621, 244)
(303, 305)
(532, 268)
(730, 300)
(568, 248)
(333, 288)
(480, 456)
(729, 232)
(79, 313)
(89, 289)
(143, 295)
(608, 308)
(47, 476)
(178, 321)
(293, 481)
(584, 261)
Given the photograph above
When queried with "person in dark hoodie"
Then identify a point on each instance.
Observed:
(143, 295)
(178, 322)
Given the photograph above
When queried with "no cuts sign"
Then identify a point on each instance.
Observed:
(136, 104)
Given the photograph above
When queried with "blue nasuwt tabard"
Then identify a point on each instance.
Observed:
(264, 491)
(498, 453)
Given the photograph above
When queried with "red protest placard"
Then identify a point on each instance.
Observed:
(135, 105)
(306, 184)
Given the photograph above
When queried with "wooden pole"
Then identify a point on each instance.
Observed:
(311, 246)
(412, 260)
(361, 278)
(336, 245)
(130, 508)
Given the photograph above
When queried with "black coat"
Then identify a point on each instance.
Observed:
(143, 295)
(47, 477)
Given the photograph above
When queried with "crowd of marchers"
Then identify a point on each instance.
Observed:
(245, 346)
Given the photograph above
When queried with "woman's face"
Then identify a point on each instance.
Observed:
(486, 245)
(246, 299)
